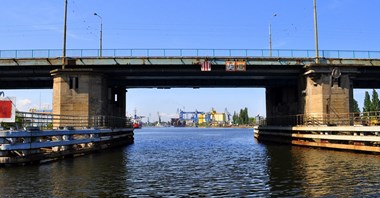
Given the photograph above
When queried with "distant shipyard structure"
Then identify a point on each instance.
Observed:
(201, 118)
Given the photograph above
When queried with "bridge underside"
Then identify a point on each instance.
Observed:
(168, 72)
(161, 76)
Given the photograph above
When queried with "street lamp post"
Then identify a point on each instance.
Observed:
(270, 35)
(316, 33)
(101, 34)
(64, 37)
(270, 39)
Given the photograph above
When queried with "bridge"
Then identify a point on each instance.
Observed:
(90, 84)
(86, 84)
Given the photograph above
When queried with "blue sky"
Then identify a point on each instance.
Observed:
(213, 24)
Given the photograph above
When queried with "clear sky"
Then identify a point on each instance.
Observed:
(213, 24)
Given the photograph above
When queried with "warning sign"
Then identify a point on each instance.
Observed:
(7, 110)
(241, 66)
(236, 66)
(230, 65)
(206, 66)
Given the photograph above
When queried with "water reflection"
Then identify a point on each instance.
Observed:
(98, 174)
(309, 172)
(350, 173)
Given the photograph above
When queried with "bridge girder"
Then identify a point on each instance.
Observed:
(166, 72)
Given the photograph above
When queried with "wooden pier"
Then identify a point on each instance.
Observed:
(354, 132)
(37, 142)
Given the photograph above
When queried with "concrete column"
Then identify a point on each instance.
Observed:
(117, 104)
(327, 98)
(117, 101)
(281, 104)
(79, 92)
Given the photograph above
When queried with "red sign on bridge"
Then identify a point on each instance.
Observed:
(7, 110)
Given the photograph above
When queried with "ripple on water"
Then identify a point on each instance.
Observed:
(173, 162)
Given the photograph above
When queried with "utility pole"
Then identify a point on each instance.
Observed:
(316, 33)
(101, 34)
(64, 36)
(270, 40)
(270, 35)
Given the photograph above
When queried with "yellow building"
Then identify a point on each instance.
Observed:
(219, 117)
(201, 118)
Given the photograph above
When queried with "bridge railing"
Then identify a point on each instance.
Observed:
(348, 119)
(46, 121)
(284, 53)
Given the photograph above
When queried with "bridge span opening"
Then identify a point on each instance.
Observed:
(154, 104)
(169, 103)
(162, 104)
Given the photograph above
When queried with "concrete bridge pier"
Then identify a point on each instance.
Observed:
(327, 95)
(86, 93)
(322, 94)
(326, 119)
(280, 103)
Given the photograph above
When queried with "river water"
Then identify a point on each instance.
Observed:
(190, 162)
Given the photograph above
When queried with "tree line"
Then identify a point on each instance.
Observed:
(369, 104)
(242, 117)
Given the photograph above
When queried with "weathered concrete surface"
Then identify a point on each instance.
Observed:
(324, 95)
(74, 91)
(86, 93)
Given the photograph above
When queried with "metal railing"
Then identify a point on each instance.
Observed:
(44, 121)
(348, 119)
(284, 53)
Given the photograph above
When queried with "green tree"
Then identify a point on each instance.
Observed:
(235, 118)
(246, 117)
(356, 106)
(375, 103)
(367, 102)
(241, 116)
(252, 120)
